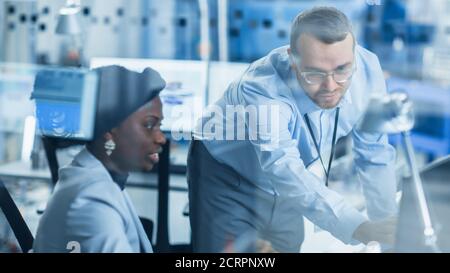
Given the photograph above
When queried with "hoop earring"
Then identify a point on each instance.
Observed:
(110, 146)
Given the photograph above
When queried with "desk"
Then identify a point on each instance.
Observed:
(149, 207)
(23, 170)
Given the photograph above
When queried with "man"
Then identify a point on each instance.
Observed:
(319, 87)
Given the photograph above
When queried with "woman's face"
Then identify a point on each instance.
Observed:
(139, 138)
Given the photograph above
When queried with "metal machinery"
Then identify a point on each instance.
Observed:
(410, 40)
(149, 29)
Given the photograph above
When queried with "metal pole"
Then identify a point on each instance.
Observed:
(428, 232)
(205, 44)
(223, 27)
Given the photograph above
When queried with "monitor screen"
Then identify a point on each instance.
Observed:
(190, 88)
(184, 96)
(66, 102)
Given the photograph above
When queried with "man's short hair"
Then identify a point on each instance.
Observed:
(327, 24)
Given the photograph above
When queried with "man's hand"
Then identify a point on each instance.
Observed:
(263, 246)
(381, 231)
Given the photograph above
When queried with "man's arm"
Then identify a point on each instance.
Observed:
(375, 168)
(374, 157)
(280, 162)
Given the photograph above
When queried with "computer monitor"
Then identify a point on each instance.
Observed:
(184, 96)
(190, 87)
(66, 100)
(16, 84)
(410, 229)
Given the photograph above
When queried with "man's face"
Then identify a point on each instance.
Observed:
(317, 56)
(139, 138)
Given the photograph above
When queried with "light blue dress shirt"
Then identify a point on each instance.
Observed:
(279, 165)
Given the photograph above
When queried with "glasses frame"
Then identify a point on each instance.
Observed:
(304, 74)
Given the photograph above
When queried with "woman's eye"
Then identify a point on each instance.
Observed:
(153, 125)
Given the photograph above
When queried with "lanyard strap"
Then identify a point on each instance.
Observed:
(333, 143)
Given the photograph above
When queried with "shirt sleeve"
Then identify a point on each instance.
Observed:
(375, 161)
(280, 161)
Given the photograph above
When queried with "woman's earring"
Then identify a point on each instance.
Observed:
(110, 145)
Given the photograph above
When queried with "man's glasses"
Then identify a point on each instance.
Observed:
(339, 76)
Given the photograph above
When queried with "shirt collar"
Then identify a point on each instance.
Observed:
(87, 159)
(119, 179)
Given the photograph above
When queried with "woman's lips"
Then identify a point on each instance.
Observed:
(154, 158)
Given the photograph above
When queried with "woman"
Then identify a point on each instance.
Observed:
(89, 210)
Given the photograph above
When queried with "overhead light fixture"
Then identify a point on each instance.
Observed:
(68, 19)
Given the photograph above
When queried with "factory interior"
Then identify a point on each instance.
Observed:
(384, 174)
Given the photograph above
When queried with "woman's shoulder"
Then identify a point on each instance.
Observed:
(87, 183)
(86, 178)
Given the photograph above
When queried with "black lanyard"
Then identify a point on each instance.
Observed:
(333, 144)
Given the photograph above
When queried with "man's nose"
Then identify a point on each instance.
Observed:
(329, 83)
